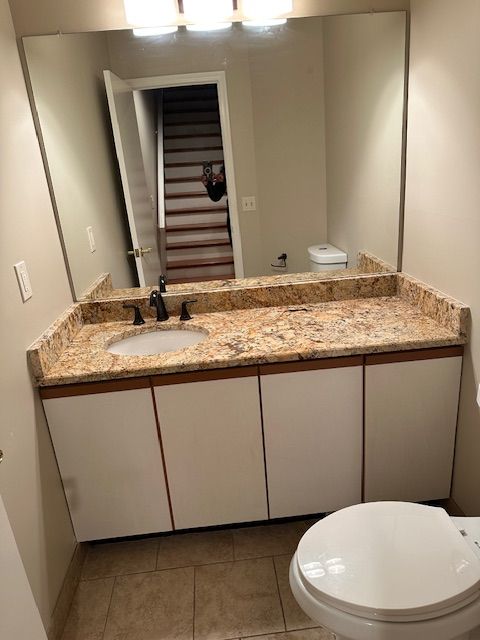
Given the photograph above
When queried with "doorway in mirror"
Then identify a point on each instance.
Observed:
(198, 243)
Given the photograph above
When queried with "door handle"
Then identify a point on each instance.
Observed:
(138, 253)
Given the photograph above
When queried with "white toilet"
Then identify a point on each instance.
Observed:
(326, 257)
(391, 571)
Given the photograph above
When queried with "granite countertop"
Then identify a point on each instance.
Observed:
(256, 336)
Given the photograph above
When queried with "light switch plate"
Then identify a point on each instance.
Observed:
(249, 203)
(23, 280)
(91, 240)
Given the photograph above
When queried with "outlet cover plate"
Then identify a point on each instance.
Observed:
(91, 240)
(249, 203)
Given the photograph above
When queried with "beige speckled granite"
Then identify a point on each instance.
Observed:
(249, 297)
(254, 336)
(258, 324)
(102, 288)
(368, 263)
(445, 310)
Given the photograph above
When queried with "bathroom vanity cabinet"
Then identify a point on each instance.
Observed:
(188, 450)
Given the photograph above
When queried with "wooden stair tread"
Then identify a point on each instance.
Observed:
(186, 194)
(186, 136)
(188, 123)
(179, 180)
(220, 276)
(195, 211)
(190, 149)
(201, 226)
(193, 244)
(188, 109)
(199, 263)
(192, 163)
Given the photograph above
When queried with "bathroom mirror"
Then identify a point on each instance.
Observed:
(220, 155)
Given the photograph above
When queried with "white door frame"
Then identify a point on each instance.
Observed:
(219, 79)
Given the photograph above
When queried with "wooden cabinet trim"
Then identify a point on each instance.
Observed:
(417, 354)
(204, 376)
(90, 388)
(311, 365)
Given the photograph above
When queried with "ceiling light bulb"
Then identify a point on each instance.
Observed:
(155, 31)
(274, 22)
(212, 11)
(206, 26)
(266, 9)
(150, 12)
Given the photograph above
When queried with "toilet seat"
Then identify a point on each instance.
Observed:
(389, 561)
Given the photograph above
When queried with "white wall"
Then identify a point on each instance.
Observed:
(442, 234)
(67, 81)
(51, 16)
(364, 71)
(29, 479)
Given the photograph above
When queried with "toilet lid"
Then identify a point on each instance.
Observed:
(389, 561)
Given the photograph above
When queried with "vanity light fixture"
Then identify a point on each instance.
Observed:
(151, 12)
(205, 26)
(207, 11)
(263, 12)
(155, 31)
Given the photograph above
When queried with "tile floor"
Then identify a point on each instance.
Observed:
(221, 585)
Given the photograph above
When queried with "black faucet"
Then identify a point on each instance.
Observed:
(138, 316)
(156, 300)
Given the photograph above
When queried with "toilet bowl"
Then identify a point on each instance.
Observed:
(391, 571)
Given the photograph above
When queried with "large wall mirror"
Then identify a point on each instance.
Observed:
(214, 156)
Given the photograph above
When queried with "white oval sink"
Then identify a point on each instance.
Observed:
(154, 342)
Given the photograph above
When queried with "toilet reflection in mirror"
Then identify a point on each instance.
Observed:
(207, 156)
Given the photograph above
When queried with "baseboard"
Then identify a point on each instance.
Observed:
(67, 592)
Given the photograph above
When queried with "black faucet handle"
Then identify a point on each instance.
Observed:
(153, 298)
(184, 314)
(162, 284)
(138, 319)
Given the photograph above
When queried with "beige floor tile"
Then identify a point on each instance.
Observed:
(295, 618)
(191, 549)
(88, 614)
(152, 606)
(268, 540)
(120, 558)
(237, 599)
(306, 634)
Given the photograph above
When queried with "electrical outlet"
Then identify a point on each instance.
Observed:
(249, 203)
(91, 240)
(23, 280)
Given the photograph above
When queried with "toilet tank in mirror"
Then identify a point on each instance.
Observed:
(215, 156)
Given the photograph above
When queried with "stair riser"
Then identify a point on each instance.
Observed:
(183, 187)
(195, 219)
(172, 118)
(191, 129)
(199, 253)
(190, 143)
(193, 156)
(190, 105)
(192, 171)
(187, 236)
(192, 203)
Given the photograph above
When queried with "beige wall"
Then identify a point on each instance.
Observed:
(364, 71)
(29, 480)
(66, 16)
(442, 231)
(289, 131)
(67, 81)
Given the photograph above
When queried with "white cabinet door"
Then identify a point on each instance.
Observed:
(110, 461)
(313, 439)
(212, 438)
(410, 424)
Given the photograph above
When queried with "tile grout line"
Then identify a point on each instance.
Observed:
(279, 594)
(109, 606)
